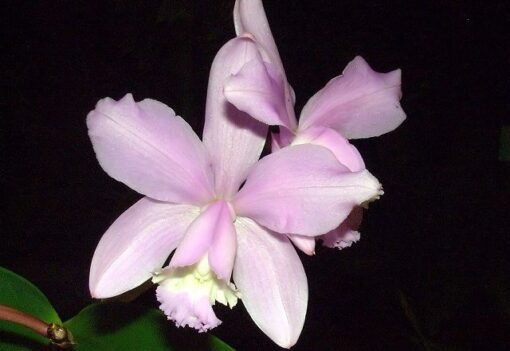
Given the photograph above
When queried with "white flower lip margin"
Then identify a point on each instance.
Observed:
(193, 206)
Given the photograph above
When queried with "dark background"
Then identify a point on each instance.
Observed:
(431, 270)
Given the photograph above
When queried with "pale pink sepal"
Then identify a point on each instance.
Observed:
(233, 139)
(150, 149)
(344, 151)
(186, 309)
(304, 190)
(136, 245)
(258, 90)
(347, 233)
(304, 243)
(213, 232)
(360, 103)
(272, 282)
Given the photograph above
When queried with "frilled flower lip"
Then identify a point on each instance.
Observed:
(188, 293)
(185, 309)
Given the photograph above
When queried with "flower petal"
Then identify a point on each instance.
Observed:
(347, 233)
(150, 149)
(258, 90)
(272, 282)
(250, 17)
(212, 230)
(361, 103)
(223, 249)
(304, 243)
(233, 139)
(137, 244)
(346, 153)
(304, 190)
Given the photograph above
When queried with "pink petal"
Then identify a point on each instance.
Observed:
(212, 230)
(304, 243)
(347, 233)
(272, 282)
(186, 309)
(136, 245)
(250, 17)
(341, 238)
(223, 249)
(346, 153)
(258, 90)
(150, 149)
(233, 139)
(361, 103)
(304, 190)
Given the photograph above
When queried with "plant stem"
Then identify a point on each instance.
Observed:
(13, 315)
(57, 334)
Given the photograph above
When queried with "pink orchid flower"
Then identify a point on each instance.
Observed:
(360, 103)
(217, 206)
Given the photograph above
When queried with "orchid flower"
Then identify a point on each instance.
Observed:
(222, 211)
(360, 103)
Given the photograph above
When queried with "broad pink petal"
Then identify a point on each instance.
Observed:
(346, 153)
(233, 139)
(304, 190)
(211, 230)
(136, 245)
(347, 233)
(304, 243)
(361, 103)
(272, 282)
(186, 309)
(150, 149)
(250, 17)
(258, 90)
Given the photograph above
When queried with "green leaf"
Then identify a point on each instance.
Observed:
(217, 344)
(126, 327)
(19, 293)
(504, 144)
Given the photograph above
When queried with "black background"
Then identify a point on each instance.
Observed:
(430, 272)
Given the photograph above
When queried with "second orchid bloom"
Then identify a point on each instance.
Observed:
(360, 103)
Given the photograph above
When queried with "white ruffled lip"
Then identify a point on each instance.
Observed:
(184, 309)
(187, 295)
